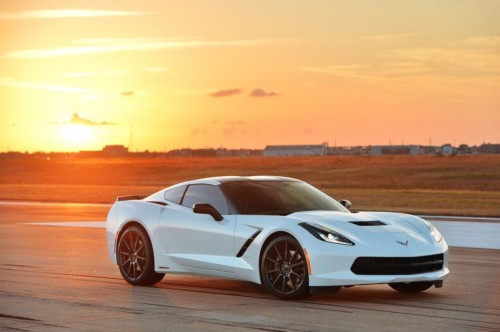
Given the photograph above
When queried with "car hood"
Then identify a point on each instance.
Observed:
(369, 226)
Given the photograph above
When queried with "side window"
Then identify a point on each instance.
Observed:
(204, 193)
(175, 194)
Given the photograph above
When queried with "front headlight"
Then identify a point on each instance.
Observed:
(434, 232)
(326, 234)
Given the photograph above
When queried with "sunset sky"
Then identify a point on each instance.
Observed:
(78, 75)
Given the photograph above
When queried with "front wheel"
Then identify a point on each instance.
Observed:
(412, 287)
(136, 259)
(283, 269)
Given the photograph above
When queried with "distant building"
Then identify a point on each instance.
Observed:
(223, 152)
(346, 151)
(114, 151)
(204, 152)
(447, 150)
(107, 151)
(464, 149)
(489, 148)
(429, 149)
(192, 153)
(295, 150)
(378, 150)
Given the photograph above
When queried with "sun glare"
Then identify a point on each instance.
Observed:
(75, 134)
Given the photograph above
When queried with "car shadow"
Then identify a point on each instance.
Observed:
(361, 293)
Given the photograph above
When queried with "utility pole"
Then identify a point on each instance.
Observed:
(131, 139)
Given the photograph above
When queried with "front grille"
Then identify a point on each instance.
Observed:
(397, 265)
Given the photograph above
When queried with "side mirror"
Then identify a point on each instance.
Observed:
(208, 209)
(345, 203)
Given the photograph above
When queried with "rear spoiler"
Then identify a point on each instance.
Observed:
(130, 198)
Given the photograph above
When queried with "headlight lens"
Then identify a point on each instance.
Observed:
(434, 232)
(326, 234)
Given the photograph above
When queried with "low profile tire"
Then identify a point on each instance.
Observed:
(412, 287)
(283, 269)
(135, 258)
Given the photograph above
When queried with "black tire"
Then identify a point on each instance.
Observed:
(412, 287)
(136, 259)
(283, 269)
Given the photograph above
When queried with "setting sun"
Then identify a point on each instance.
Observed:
(75, 135)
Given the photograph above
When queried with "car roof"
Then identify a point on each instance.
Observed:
(218, 180)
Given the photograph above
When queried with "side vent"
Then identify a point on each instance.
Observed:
(247, 243)
(368, 223)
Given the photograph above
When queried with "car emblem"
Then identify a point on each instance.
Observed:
(403, 243)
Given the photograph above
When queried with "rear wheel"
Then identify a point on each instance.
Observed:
(136, 259)
(412, 287)
(283, 269)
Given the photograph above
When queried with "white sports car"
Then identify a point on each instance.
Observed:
(276, 231)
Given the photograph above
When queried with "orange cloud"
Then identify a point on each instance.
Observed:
(226, 93)
(79, 120)
(115, 45)
(262, 93)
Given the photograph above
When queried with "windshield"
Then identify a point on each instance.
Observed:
(277, 197)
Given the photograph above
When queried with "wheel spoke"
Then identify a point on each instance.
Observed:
(131, 237)
(296, 264)
(286, 250)
(297, 275)
(277, 251)
(294, 253)
(290, 283)
(127, 261)
(124, 253)
(273, 271)
(277, 278)
(128, 270)
(126, 244)
(283, 285)
(140, 248)
(132, 242)
(136, 242)
(272, 260)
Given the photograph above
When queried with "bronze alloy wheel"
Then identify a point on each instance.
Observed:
(135, 257)
(283, 269)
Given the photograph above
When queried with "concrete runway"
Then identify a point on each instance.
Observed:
(60, 278)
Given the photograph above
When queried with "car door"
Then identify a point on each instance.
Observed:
(197, 241)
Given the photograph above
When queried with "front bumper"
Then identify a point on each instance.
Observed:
(336, 269)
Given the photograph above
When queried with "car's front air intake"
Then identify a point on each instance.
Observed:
(397, 265)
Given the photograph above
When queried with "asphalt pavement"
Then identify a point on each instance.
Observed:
(61, 278)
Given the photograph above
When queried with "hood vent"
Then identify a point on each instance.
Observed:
(368, 223)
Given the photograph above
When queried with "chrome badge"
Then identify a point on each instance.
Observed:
(403, 243)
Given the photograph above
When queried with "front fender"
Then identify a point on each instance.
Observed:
(247, 266)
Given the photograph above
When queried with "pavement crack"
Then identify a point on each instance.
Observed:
(27, 319)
